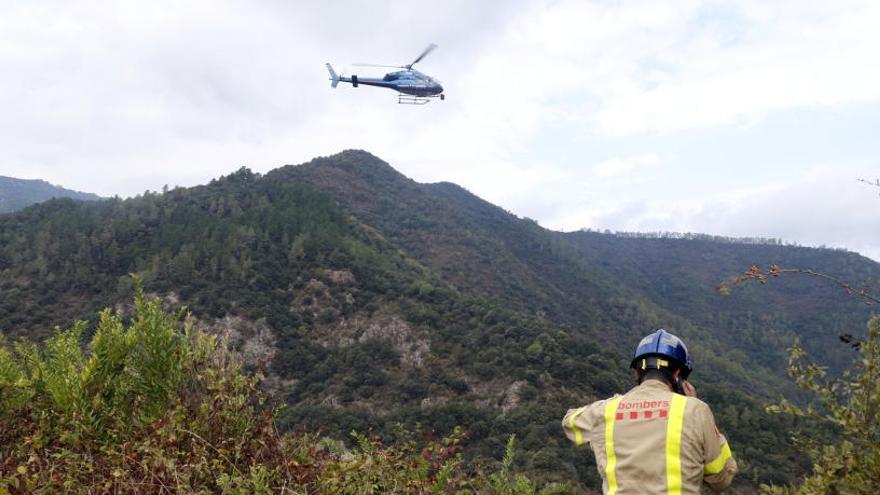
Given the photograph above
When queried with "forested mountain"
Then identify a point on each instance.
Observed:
(16, 194)
(370, 300)
(679, 273)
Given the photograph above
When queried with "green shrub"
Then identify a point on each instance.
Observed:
(156, 406)
(850, 405)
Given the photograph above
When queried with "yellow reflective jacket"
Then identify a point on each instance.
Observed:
(653, 441)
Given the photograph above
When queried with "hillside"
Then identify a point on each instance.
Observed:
(601, 283)
(355, 335)
(682, 275)
(16, 194)
(370, 299)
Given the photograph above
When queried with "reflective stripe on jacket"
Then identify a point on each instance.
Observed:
(653, 441)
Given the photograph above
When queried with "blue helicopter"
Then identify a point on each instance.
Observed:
(412, 86)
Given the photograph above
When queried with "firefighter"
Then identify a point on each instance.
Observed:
(658, 438)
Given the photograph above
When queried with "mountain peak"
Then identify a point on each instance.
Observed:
(358, 154)
(351, 173)
(357, 161)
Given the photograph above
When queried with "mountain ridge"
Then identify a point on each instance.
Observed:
(16, 194)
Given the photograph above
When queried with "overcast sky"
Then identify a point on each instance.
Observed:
(746, 118)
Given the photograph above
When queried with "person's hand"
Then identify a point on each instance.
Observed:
(689, 389)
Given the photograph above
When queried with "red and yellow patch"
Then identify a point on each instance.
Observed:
(643, 409)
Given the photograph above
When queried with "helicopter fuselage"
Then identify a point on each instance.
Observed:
(410, 82)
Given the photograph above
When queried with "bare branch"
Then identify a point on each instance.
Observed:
(761, 276)
(758, 274)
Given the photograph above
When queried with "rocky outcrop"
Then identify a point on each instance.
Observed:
(410, 344)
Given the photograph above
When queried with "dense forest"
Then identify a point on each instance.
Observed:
(16, 194)
(370, 301)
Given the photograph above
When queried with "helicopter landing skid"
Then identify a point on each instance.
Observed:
(404, 99)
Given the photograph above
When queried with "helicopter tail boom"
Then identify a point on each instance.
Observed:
(333, 76)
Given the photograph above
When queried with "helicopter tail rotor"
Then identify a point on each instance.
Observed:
(334, 78)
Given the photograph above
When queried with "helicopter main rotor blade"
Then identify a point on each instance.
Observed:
(424, 53)
(380, 65)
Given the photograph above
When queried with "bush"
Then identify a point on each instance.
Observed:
(156, 406)
(850, 405)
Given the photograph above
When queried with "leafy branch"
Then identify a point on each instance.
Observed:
(851, 403)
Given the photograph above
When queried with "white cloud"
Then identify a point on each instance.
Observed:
(667, 66)
(826, 205)
(620, 166)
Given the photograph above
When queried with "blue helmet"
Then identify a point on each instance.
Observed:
(662, 344)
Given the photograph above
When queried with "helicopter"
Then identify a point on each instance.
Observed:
(412, 86)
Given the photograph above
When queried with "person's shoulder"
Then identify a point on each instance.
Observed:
(602, 403)
(598, 405)
(698, 406)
